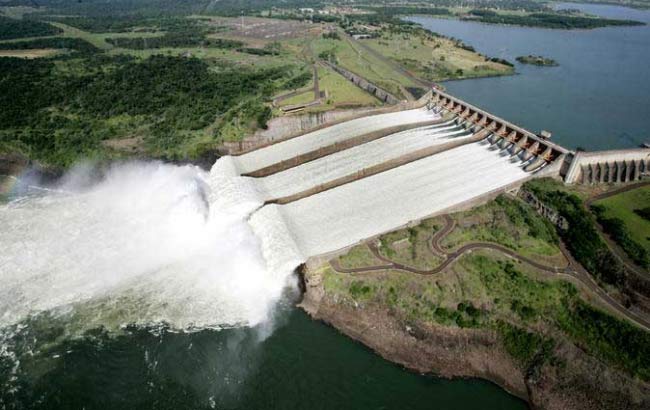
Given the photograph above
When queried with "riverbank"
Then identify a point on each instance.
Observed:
(580, 382)
(513, 314)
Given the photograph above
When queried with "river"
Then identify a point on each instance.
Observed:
(167, 251)
(597, 98)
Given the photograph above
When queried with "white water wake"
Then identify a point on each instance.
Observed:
(158, 243)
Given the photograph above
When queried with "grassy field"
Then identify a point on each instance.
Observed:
(358, 257)
(224, 55)
(433, 58)
(341, 91)
(364, 64)
(623, 205)
(302, 98)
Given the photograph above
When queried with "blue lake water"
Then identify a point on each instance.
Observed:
(598, 97)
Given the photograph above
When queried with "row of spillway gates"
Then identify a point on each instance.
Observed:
(354, 180)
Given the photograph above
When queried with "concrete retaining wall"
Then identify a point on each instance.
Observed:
(364, 84)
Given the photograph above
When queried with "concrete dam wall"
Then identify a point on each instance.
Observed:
(332, 188)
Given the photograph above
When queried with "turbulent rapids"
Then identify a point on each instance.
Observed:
(152, 243)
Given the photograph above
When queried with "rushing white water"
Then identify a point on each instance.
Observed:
(330, 135)
(155, 243)
(159, 243)
(351, 160)
(342, 216)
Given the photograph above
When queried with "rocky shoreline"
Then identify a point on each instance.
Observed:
(578, 382)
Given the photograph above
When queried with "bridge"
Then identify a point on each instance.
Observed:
(326, 190)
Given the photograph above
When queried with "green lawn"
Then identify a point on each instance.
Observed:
(302, 98)
(623, 205)
(364, 64)
(341, 91)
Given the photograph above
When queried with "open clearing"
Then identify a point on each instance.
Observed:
(257, 31)
(366, 65)
(341, 91)
(434, 59)
(36, 53)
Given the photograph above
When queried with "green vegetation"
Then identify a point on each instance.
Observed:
(632, 208)
(350, 56)
(617, 229)
(341, 92)
(537, 60)
(643, 213)
(488, 292)
(525, 347)
(609, 338)
(112, 23)
(173, 39)
(411, 246)
(547, 20)
(12, 28)
(582, 238)
(75, 44)
(508, 222)
(56, 116)
(530, 311)
(434, 57)
(358, 256)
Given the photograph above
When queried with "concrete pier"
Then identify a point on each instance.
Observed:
(616, 166)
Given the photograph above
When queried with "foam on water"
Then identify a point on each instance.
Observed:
(351, 160)
(172, 241)
(311, 141)
(340, 217)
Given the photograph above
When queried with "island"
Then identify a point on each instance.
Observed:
(537, 60)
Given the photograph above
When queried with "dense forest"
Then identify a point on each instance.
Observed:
(12, 28)
(547, 20)
(174, 39)
(56, 117)
(66, 43)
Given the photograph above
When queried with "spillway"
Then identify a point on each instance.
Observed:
(350, 213)
(327, 136)
(355, 159)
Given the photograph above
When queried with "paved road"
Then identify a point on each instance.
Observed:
(572, 269)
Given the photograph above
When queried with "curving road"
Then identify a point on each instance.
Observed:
(573, 268)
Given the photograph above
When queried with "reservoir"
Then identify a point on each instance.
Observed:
(597, 98)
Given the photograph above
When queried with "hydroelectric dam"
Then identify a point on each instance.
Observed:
(326, 190)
